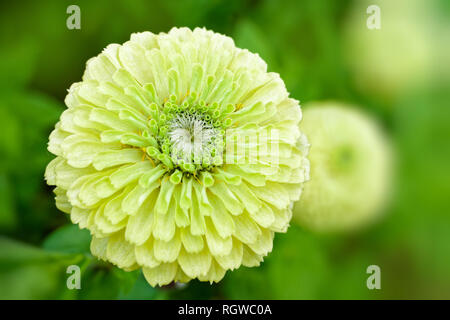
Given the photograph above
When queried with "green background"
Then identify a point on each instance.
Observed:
(322, 49)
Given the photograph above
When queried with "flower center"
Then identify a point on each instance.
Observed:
(192, 138)
(187, 134)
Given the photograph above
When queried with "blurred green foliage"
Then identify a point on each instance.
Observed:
(304, 41)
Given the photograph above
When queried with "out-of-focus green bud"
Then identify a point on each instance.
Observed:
(350, 169)
(396, 56)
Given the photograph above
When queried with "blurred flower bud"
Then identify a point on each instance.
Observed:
(350, 169)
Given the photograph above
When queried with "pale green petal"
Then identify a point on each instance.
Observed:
(263, 244)
(181, 216)
(272, 193)
(202, 198)
(50, 172)
(232, 260)
(160, 275)
(228, 199)
(139, 227)
(62, 202)
(87, 193)
(246, 230)
(145, 39)
(79, 216)
(165, 224)
(191, 243)
(250, 258)
(104, 224)
(195, 264)
(198, 226)
(89, 92)
(216, 244)
(221, 219)
(113, 208)
(132, 57)
(265, 216)
(145, 256)
(66, 174)
(120, 252)
(111, 120)
(181, 276)
(103, 188)
(164, 197)
(248, 198)
(167, 251)
(129, 173)
(282, 218)
(57, 136)
(98, 247)
(254, 179)
(135, 198)
(186, 194)
(215, 273)
(113, 158)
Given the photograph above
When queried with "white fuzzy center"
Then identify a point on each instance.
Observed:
(191, 137)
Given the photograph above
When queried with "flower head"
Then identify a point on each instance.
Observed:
(350, 169)
(181, 154)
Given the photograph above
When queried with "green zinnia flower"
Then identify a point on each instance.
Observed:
(153, 156)
(387, 61)
(350, 168)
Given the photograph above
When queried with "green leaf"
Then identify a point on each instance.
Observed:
(13, 253)
(27, 272)
(104, 281)
(68, 239)
(140, 290)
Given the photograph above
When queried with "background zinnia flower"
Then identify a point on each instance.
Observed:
(143, 159)
(387, 61)
(350, 168)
